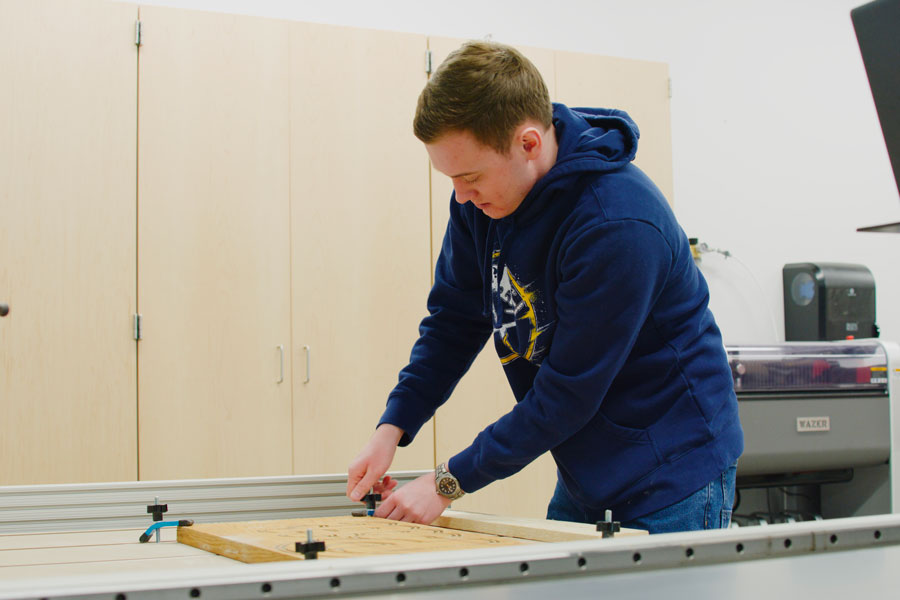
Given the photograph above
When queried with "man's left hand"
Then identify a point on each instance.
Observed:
(415, 502)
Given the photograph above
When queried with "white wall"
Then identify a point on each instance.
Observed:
(778, 155)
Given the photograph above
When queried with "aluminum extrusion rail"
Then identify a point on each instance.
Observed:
(123, 505)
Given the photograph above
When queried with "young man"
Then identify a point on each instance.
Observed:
(570, 257)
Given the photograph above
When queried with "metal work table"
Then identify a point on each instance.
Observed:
(825, 559)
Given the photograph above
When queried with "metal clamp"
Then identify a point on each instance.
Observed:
(145, 537)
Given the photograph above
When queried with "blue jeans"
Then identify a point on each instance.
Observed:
(707, 508)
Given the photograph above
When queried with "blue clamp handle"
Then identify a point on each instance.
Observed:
(145, 537)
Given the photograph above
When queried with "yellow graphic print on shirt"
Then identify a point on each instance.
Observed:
(519, 309)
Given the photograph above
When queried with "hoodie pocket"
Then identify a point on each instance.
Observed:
(682, 429)
(629, 435)
(605, 458)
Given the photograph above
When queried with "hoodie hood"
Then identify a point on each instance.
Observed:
(597, 140)
(606, 137)
(589, 140)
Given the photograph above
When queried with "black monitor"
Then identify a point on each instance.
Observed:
(877, 26)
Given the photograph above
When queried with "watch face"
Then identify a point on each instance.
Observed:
(447, 486)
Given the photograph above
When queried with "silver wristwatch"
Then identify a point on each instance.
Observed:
(446, 484)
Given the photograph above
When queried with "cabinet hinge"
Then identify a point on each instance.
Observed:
(670, 87)
(428, 62)
(137, 33)
(137, 327)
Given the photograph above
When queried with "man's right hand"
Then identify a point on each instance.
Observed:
(373, 461)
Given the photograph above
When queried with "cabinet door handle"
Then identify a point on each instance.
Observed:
(4, 310)
(280, 363)
(308, 352)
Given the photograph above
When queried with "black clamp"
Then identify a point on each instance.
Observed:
(157, 510)
(608, 527)
(310, 548)
(371, 501)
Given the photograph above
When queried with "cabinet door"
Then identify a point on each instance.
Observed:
(214, 247)
(360, 222)
(483, 395)
(67, 241)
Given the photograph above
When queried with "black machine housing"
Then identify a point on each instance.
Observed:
(828, 301)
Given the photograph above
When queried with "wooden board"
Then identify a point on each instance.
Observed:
(344, 537)
(539, 530)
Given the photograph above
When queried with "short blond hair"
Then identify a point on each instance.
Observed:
(486, 88)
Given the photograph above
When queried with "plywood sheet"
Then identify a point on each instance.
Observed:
(344, 537)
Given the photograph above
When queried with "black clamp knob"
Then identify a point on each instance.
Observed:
(310, 548)
(608, 527)
(371, 500)
(157, 510)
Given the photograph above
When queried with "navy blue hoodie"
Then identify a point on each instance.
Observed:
(599, 316)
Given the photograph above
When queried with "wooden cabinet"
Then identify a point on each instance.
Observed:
(360, 231)
(67, 242)
(252, 188)
(277, 311)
